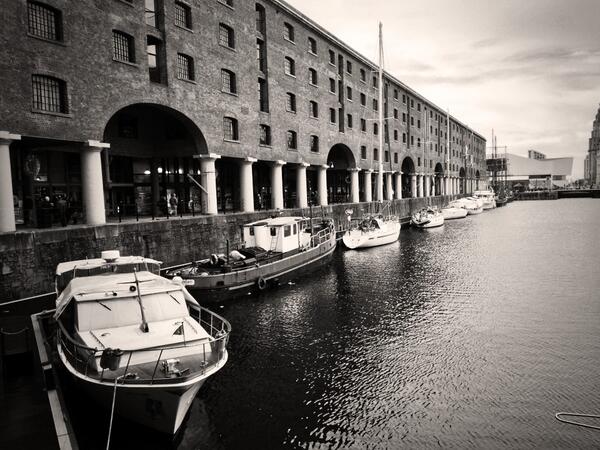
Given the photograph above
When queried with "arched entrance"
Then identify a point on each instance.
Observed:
(339, 159)
(462, 178)
(477, 180)
(408, 170)
(439, 174)
(152, 149)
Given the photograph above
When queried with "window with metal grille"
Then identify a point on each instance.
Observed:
(228, 81)
(265, 135)
(314, 143)
(230, 129)
(288, 31)
(44, 21)
(183, 15)
(49, 94)
(185, 67)
(290, 66)
(290, 104)
(123, 48)
(292, 142)
(226, 36)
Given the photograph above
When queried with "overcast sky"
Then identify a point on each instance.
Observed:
(529, 69)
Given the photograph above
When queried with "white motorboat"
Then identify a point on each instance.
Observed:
(372, 232)
(454, 212)
(124, 330)
(472, 205)
(488, 197)
(427, 218)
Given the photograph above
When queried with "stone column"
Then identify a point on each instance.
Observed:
(427, 185)
(446, 185)
(399, 185)
(379, 185)
(277, 184)
(322, 184)
(208, 180)
(92, 187)
(7, 209)
(247, 184)
(354, 190)
(420, 185)
(368, 189)
(389, 186)
(301, 192)
(413, 185)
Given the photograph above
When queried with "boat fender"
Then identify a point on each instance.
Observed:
(214, 259)
(261, 283)
(111, 358)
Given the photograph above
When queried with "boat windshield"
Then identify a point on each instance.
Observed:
(63, 279)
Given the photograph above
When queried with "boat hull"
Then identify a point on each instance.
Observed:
(162, 407)
(454, 213)
(434, 222)
(224, 286)
(354, 239)
(473, 212)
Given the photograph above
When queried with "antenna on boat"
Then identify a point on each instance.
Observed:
(144, 324)
(381, 125)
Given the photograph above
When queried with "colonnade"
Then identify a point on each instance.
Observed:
(421, 184)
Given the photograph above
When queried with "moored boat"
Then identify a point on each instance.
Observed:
(125, 331)
(427, 218)
(454, 212)
(488, 198)
(470, 204)
(372, 231)
(273, 250)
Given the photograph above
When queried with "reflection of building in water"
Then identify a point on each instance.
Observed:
(592, 161)
(115, 107)
(535, 172)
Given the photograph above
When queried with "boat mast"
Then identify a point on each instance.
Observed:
(381, 127)
(447, 183)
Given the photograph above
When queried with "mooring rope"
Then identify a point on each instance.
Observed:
(112, 411)
(13, 333)
(579, 424)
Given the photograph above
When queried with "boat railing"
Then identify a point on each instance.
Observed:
(201, 355)
(321, 236)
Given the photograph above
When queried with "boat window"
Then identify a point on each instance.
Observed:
(251, 231)
(273, 231)
(295, 229)
(287, 230)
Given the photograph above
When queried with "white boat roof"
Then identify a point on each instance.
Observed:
(114, 286)
(276, 221)
(99, 262)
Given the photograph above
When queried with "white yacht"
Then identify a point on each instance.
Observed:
(427, 218)
(124, 330)
(488, 197)
(472, 205)
(372, 232)
(454, 212)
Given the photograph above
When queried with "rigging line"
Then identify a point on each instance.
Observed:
(579, 424)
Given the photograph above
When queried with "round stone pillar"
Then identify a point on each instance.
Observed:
(301, 192)
(368, 186)
(413, 185)
(446, 185)
(208, 180)
(379, 186)
(420, 185)
(399, 185)
(427, 185)
(389, 186)
(247, 184)
(277, 184)
(7, 208)
(322, 184)
(92, 187)
(354, 189)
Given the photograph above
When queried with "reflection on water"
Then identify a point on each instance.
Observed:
(470, 335)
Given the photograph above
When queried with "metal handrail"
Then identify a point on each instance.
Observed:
(218, 328)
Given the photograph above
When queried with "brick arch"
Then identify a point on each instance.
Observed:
(341, 157)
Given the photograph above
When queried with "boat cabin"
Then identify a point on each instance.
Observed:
(279, 234)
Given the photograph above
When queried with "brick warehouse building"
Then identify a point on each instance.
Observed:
(113, 103)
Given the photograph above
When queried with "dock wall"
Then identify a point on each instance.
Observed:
(28, 258)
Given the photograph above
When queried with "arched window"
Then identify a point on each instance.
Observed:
(49, 94)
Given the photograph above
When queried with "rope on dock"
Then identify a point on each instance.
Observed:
(579, 424)
(13, 333)
(112, 411)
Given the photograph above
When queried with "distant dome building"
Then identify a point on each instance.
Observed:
(592, 161)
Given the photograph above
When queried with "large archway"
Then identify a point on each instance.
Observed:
(439, 177)
(339, 159)
(477, 176)
(152, 149)
(408, 170)
(462, 181)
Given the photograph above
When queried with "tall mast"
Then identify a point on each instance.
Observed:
(448, 141)
(381, 127)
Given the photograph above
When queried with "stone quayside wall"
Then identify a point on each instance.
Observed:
(28, 258)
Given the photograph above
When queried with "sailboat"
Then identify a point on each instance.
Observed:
(380, 229)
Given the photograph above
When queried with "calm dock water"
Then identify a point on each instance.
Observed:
(468, 336)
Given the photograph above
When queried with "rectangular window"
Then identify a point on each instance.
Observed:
(404, 99)
(395, 113)
(291, 140)
(363, 75)
(226, 36)
(123, 48)
(183, 15)
(290, 104)
(349, 67)
(363, 152)
(349, 121)
(363, 99)
(395, 94)
(261, 55)
(332, 85)
(412, 140)
(314, 144)
(412, 121)
(312, 76)
(290, 66)
(375, 129)
(312, 45)
(332, 115)
(185, 67)
(331, 57)
(403, 117)
(314, 109)
(404, 138)
(395, 135)
(375, 106)
(265, 135)
(349, 92)
(228, 81)
(230, 129)
(49, 94)
(44, 21)
(259, 12)
(288, 32)
(376, 154)
(395, 158)
(363, 125)
(263, 96)
(150, 13)
(386, 156)
(419, 123)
